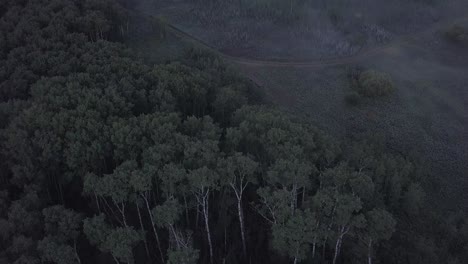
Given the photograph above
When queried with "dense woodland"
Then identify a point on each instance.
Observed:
(105, 159)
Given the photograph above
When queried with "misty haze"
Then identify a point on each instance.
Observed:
(233, 131)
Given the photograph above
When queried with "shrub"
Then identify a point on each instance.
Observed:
(335, 16)
(456, 33)
(278, 10)
(353, 72)
(353, 99)
(373, 83)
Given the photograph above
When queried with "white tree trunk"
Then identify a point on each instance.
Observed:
(97, 202)
(76, 252)
(143, 229)
(154, 228)
(196, 218)
(314, 242)
(176, 237)
(369, 252)
(186, 211)
(297, 253)
(337, 248)
(314, 246)
(293, 202)
(121, 208)
(343, 230)
(205, 208)
(109, 208)
(241, 222)
(122, 211)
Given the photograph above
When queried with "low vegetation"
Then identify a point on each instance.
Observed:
(457, 33)
(312, 29)
(369, 83)
(353, 98)
(372, 83)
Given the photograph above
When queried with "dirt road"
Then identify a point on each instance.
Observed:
(363, 54)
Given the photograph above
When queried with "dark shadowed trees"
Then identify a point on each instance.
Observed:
(239, 171)
(177, 161)
(63, 227)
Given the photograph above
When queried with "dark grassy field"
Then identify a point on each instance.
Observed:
(319, 30)
(426, 116)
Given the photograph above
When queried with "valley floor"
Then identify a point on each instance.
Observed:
(427, 116)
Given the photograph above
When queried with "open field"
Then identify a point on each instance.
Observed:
(427, 116)
(321, 29)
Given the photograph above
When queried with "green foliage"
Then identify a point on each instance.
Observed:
(183, 256)
(270, 134)
(62, 222)
(21, 244)
(413, 199)
(167, 214)
(172, 178)
(380, 225)
(6, 230)
(56, 252)
(96, 230)
(281, 11)
(294, 237)
(275, 206)
(42, 46)
(23, 214)
(335, 15)
(25, 259)
(88, 126)
(115, 186)
(287, 173)
(117, 241)
(456, 33)
(373, 84)
(228, 100)
(353, 99)
(120, 242)
(201, 149)
(203, 178)
(62, 226)
(239, 171)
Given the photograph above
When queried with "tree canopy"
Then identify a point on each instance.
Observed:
(107, 159)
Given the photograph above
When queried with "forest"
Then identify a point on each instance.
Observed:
(107, 159)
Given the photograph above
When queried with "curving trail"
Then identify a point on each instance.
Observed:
(346, 60)
(439, 156)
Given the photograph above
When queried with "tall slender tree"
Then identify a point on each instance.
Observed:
(380, 225)
(202, 182)
(239, 171)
